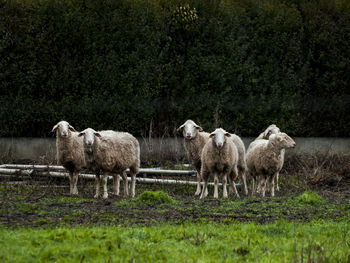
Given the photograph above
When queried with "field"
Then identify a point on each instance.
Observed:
(307, 222)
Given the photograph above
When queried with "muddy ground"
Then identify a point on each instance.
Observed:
(45, 202)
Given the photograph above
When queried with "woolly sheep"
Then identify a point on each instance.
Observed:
(265, 160)
(113, 152)
(194, 141)
(220, 158)
(70, 152)
(272, 129)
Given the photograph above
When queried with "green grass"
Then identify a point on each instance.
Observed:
(193, 242)
(310, 197)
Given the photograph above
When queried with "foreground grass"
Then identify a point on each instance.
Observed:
(283, 241)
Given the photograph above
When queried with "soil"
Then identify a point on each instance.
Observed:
(44, 202)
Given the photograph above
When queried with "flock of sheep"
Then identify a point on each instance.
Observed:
(219, 153)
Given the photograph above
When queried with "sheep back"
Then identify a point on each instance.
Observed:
(262, 160)
(117, 151)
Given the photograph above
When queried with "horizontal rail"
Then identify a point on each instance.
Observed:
(59, 167)
(8, 170)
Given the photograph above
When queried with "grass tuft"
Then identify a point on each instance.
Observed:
(310, 197)
(153, 198)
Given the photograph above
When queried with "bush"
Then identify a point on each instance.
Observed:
(125, 65)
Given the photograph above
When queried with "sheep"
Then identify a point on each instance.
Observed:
(242, 166)
(272, 129)
(70, 152)
(194, 141)
(113, 152)
(265, 159)
(219, 157)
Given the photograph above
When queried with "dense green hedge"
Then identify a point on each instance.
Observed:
(135, 64)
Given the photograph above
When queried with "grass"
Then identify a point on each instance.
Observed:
(283, 241)
(310, 197)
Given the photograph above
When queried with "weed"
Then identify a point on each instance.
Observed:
(150, 198)
(310, 197)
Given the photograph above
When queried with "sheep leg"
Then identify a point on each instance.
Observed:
(253, 186)
(133, 183)
(244, 179)
(97, 181)
(234, 175)
(263, 183)
(116, 183)
(105, 190)
(273, 185)
(75, 182)
(126, 186)
(216, 183)
(224, 185)
(277, 187)
(70, 183)
(198, 191)
(205, 177)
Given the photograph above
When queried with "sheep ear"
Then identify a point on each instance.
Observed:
(199, 128)
(54, 128)
(98, 134)
(181, 128)
(281, 139)
(70, 127)
(212, 135)
(227, 134)
(81, 134)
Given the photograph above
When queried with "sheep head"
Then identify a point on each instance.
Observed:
(189, 129)
(63, 129)
(219, 137)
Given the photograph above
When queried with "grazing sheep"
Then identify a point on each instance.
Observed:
(113, 152)
(219, 157)
(70, 152)
(194, 141)
(272, 129)
(242, 166)
(265, 159)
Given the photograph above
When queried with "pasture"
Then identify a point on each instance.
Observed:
(307, 222)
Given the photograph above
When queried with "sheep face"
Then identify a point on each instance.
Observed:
(272, 129)
(89, 136)
(219, 137)
(63, 129)
(282, 140)
(190, 129)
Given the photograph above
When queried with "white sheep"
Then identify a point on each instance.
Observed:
(113, 152)
(242, 166)
(220, 158)
(194, 141)
(272, 129)
(70, 152)
(265, 160)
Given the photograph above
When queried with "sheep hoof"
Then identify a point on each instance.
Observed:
(116, 194)
(96, 196)
(198, 192)
(105, 196)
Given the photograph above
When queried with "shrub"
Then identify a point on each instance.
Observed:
(310, 197)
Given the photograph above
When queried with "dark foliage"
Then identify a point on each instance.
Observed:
(120, 64)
